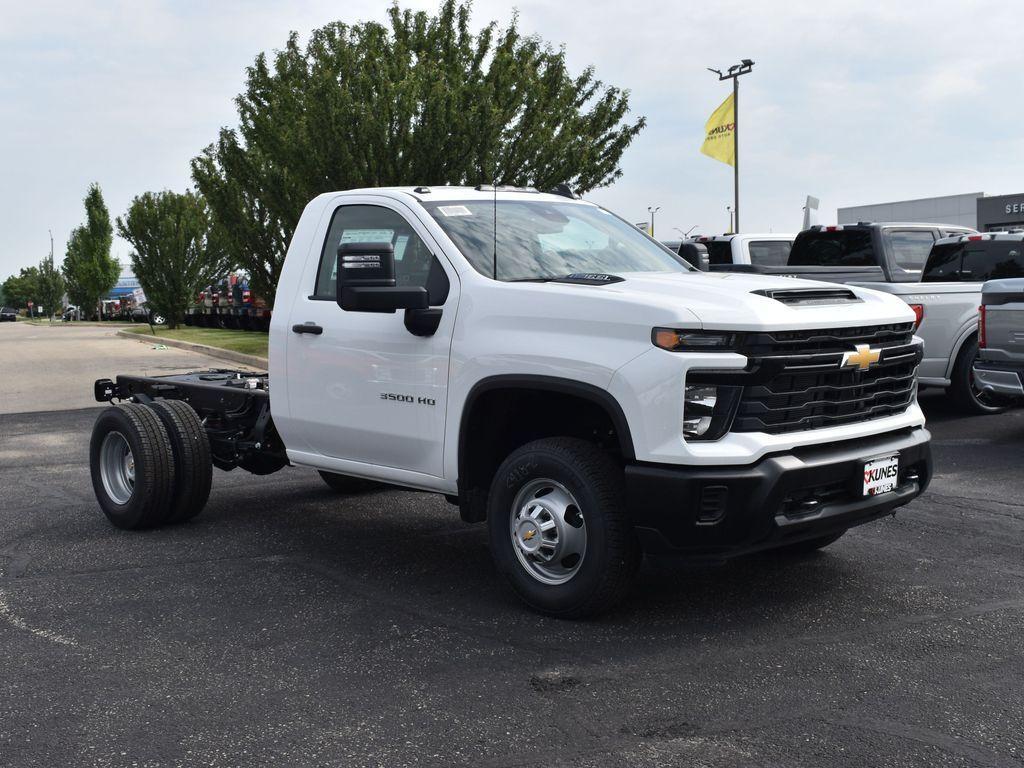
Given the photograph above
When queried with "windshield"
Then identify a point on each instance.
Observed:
(542, 239)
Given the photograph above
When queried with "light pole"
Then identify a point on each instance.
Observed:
(652, 211)
(686, 234)
(733, 73)
(730, 210)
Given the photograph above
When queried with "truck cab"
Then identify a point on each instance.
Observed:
(563, 377)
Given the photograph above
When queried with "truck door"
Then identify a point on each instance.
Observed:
(365, 389)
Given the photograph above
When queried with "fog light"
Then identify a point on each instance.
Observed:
(708, 410)
(698, 409)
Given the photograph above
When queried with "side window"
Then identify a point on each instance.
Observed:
(415, 265)
(910, 247)
(993, 260)
(769, 253)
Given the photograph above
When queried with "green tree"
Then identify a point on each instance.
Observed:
(421, 100)
(50, 287)
(22, 288)
(176, 252)
(88, 267)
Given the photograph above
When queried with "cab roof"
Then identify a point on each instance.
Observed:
(426, 194)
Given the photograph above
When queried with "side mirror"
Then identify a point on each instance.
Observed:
(366, 280)
(696, 255)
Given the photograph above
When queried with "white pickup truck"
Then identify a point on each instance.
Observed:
(554, 372)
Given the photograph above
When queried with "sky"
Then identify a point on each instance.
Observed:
(851, 102)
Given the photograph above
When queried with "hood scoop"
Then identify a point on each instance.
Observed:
(810, 297)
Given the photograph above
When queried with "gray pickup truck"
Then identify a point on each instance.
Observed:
(946, 303)
(1000, 365)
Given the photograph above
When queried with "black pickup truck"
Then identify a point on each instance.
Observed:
(857, 253)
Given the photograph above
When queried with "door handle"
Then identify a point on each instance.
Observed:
(313, 328)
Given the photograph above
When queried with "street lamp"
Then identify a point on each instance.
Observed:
(686, 234)
(652, 211)
(733, 73)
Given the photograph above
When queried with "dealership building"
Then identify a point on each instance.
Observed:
(985, 213)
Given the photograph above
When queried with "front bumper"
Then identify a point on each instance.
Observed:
(716, 513)
(1000, 378)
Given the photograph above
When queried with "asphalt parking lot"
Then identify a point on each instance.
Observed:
(290, 626)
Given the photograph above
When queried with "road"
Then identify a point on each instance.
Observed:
(290, 626)
(44, 367)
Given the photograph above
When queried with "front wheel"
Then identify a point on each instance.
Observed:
(559, 530)
(964, 390)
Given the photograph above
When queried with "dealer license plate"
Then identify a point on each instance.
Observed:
(881, 475)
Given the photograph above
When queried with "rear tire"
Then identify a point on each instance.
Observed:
(132, 466)
(807, 546)
(559, 530)
(192, 461)
(963, 392)
(347, 483)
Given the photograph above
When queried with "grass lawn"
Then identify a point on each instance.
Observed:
(246, 342)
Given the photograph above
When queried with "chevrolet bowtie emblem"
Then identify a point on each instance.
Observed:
(862, 359)
(529, 535)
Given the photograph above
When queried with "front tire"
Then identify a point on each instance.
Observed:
(132, 466)
(559, 530)
(963, 390)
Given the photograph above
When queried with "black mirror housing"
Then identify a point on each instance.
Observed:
(366, 280)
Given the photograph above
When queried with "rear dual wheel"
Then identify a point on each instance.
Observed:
(150, 465)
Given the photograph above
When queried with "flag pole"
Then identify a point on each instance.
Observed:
(736, 151)
(733, 73)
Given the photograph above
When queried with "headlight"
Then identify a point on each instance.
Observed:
(682, 340)
(708, 410)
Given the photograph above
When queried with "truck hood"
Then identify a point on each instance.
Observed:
(731, 301)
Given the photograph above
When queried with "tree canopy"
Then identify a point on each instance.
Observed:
(22, 288)
(88, 267)
(49, 287)
(420, 100)
(176, 250)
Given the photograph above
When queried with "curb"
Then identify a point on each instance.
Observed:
(215, 352)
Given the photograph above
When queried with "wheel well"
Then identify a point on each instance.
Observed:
(503, 416)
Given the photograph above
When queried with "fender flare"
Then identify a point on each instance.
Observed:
(600, 397)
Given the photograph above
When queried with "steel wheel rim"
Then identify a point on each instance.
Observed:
(117, 468)
(548, 531)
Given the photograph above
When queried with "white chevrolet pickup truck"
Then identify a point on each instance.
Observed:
(554, 372)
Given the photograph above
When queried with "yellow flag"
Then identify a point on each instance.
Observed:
(719, 133)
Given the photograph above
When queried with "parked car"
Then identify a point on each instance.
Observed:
(863, 252)
(1000, 365)
(574, 384)
(8, 314)
(142, 315)
(768, 250)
